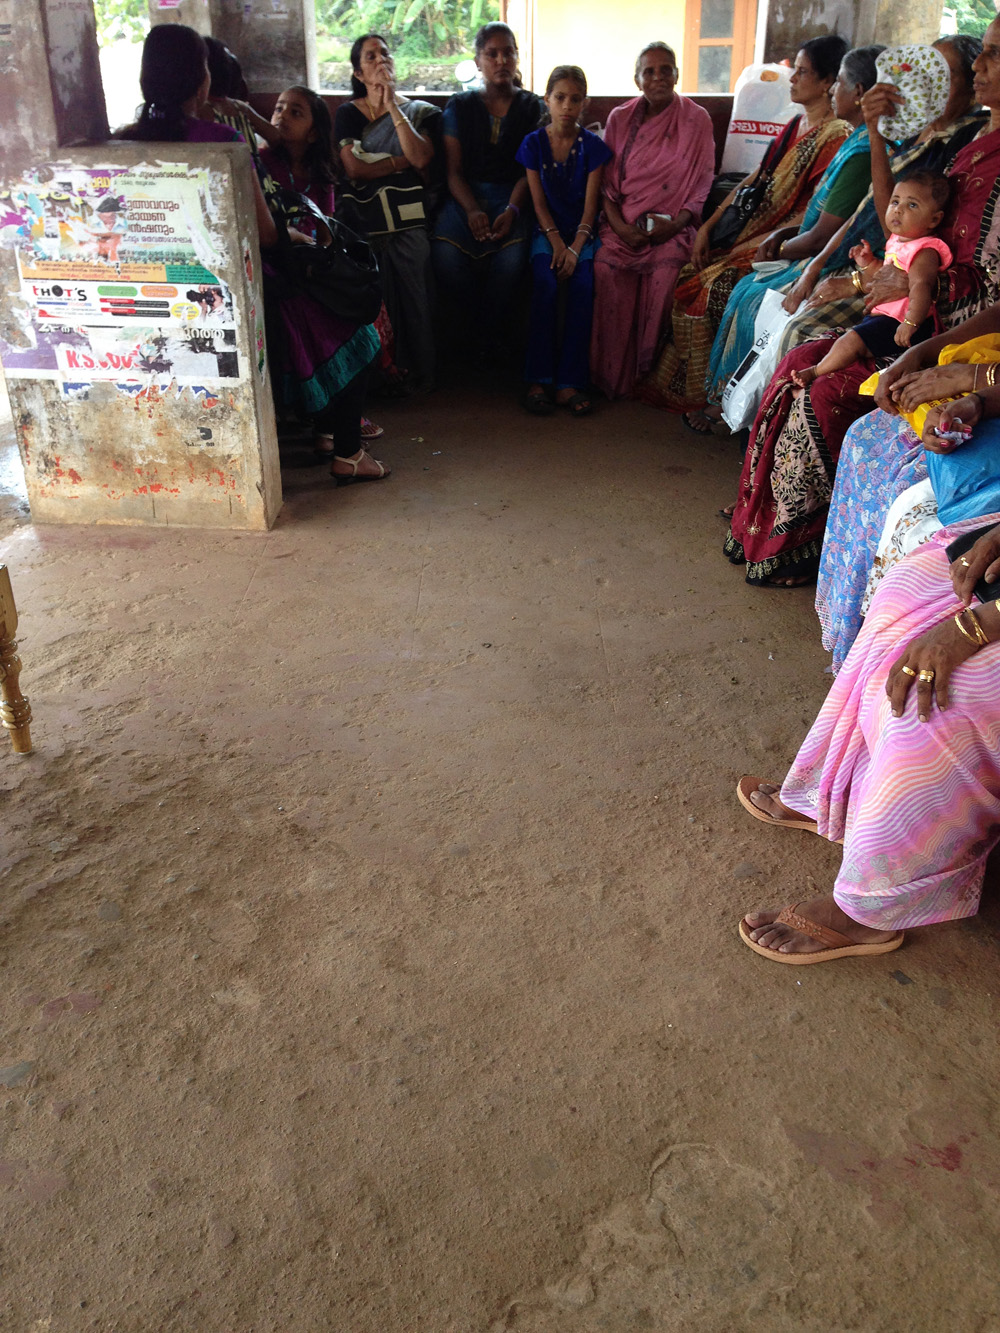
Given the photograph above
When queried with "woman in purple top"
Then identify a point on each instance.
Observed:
(321, 361)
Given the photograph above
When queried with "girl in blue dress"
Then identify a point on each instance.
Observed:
(564, 164)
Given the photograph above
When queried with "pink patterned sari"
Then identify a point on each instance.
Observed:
(917, 803)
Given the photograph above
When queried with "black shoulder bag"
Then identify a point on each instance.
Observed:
(749, 198)
(342, 276)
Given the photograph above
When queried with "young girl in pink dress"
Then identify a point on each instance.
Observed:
(915, 209)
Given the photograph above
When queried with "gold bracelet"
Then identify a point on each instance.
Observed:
(971, 637)
(977, 626)
(856, 279)
(908, 321)
(991, 375)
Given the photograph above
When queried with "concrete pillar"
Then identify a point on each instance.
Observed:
(132, 340)
(131, 307)
(50, 77)
(859, 22)
(901, 21)
(274, 40)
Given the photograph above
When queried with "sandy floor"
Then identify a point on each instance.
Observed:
(369, 917)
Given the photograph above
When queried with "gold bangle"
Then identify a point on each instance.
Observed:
(856, 279)
(977, 626)
(991, 375)
(908, 321)
(971, 637)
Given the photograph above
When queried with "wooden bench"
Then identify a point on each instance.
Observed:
(15, 713)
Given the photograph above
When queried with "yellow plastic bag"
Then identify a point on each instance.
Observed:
(977, 351)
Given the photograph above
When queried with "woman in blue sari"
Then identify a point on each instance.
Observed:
(838, 194)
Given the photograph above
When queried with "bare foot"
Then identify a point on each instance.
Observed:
(766, 799)
(804, 377)
(763, 929)
(359, 467)
(790, 581)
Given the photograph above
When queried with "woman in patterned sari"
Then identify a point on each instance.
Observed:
(705, 285)
(825, 298)
(883, 472)
(902, 765)
(930, 150)
(795, 442)
(836, 197)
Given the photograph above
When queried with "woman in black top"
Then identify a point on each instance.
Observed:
(480, 240)
(389, 146)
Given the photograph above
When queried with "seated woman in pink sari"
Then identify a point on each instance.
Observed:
(654, 192)
(902, 765)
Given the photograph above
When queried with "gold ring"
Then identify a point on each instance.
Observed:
(965, 562)
(908, 671)
(926, 676)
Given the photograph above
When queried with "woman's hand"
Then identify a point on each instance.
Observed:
(502, 224)
(628, 232)
(564, 263)
(881, 99)
(702, 246)
(770, 245)
(802, 290)
(951, 417)
(924, 386)
(830, 289)
(935, 654)
(907, 365)
(383, 83)
(299, 237)
(981, 561)
(479, 224)
(889, 284)
(664, 229)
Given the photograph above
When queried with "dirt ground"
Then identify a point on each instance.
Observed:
(369, 904)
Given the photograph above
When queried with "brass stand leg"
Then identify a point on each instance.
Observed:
(15, 713)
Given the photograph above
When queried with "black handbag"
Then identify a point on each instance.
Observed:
(749, 198)
(342, 276)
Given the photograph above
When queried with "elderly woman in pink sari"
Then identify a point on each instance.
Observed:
(654, 192)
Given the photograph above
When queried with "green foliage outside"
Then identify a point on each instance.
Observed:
(428, 37)
(973, 16)
(121, 20)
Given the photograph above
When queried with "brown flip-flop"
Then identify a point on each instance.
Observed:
(837, 945)
(746, 785)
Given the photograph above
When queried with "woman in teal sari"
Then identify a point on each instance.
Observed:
(838, 194)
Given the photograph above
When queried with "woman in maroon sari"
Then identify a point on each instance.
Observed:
(777, 528)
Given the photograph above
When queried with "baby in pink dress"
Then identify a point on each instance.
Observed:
(915, 209)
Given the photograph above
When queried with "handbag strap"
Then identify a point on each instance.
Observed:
(776, 149)
(304, 204)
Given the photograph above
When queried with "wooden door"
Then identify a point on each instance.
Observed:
(718, 43)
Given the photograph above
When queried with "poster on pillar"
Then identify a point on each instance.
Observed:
(116, 271)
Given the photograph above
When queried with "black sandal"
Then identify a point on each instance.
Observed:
(580, 405)
(538, 403)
